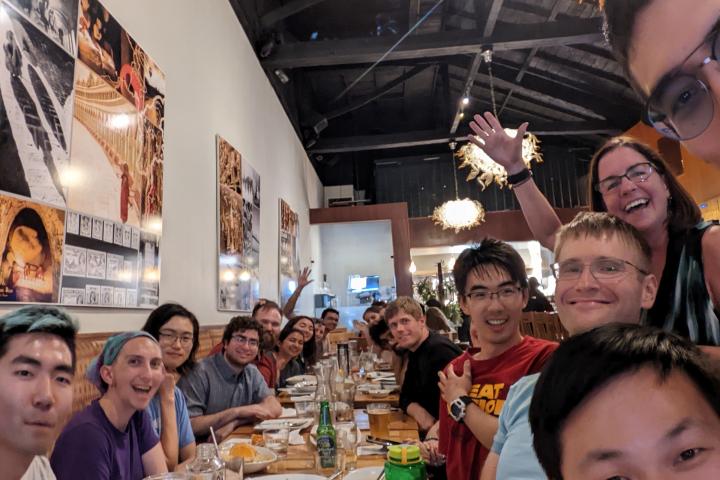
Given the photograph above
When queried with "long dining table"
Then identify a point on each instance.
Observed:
(301, 458)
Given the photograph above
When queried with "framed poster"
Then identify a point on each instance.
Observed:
(288, 257)
(238, 230)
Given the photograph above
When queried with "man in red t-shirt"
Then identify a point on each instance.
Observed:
(493, 291)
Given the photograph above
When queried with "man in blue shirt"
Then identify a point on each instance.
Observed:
(602, 274)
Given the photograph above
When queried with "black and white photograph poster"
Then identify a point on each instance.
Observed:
(36, 100)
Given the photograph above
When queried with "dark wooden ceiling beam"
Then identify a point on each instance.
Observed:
(287, 10)
(431, 137)
(368, 50)
(469, 81)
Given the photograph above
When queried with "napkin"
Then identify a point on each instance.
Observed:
(295, 438)
(302, 398)
(288, 413)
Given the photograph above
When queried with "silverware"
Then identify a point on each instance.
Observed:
(381, 476)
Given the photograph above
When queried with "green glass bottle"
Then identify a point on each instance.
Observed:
(326, 442)
(404, 463)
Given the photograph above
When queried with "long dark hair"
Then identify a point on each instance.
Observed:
(161, 315)
(27, 217)
(683, 213)
(285, 332)
(309, 347)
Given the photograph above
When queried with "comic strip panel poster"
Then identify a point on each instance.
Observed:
(31, 242)
(57, 19)
(36, 101)
(238, 230)
(288, 258)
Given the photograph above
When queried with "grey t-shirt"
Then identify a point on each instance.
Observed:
(214, 386)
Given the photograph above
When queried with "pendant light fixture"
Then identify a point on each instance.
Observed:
(458, 214)
(484, 169)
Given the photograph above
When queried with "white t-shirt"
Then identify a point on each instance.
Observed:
(39, 469)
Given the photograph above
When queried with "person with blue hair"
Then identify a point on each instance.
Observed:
(37, 366)
(113, 438)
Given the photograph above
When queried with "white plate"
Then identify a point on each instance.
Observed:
(251, 467)
(367, 473)
(310, 379)
(288, 413)
(372, 375)
(290, 423)
(291, 476)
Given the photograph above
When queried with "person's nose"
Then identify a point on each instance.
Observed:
(586, 280)
(43, 395)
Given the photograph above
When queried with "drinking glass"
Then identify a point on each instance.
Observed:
(379, 417)
(277, 440)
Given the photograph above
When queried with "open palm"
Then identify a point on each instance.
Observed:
(496, 143)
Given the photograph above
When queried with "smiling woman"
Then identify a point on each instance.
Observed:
(113, 438)
(631, 181)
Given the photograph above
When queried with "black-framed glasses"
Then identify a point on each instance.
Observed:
(637, 173)
(172, 337)
(681, 107)
(243, 340)
(503, 294)
(605, 268)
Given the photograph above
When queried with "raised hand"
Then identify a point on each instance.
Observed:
(498, 145)
(304, 278)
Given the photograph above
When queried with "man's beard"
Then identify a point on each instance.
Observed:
(268, 340)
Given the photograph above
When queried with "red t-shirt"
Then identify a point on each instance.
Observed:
(491, 379)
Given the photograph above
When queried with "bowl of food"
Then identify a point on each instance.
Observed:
(235, 452)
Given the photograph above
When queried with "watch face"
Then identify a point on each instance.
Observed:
(455, 411)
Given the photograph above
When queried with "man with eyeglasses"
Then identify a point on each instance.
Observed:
(493, 290)
(226, 390)
(602, 277)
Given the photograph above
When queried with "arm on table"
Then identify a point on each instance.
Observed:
(154, 461)
(489, 470)
(423, 418)
(507, 151)
(201, 424)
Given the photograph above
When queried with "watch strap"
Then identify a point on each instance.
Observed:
(520, 177)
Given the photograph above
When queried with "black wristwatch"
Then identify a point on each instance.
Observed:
(521, 177)
(458, 408)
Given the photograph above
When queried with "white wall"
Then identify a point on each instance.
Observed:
(214, 86)
(358, 248)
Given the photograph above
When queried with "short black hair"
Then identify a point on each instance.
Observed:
(329, 310)
(489, 253)
(241, 322)
(38, 319)
(589, 361)
(161, 315)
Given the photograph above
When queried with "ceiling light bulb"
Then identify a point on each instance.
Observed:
(465, 100)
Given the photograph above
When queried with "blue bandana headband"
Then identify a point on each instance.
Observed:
(109, 354)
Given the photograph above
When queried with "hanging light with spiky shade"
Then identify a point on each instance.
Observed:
(458, 214)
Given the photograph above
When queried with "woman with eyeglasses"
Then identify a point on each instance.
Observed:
(669, 52)
(632, 182)
(177, 330)
(282, 363)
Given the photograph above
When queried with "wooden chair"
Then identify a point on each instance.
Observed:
(543, 325)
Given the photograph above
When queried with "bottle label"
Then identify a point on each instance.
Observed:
(326, 451)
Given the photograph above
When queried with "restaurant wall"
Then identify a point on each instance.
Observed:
(215, 85)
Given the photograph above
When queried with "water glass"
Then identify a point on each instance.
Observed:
(277, 440)
(367, 362)
(305, 409)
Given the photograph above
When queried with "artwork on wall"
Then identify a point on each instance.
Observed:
(238, 230)
(81, 157)
(288, 259)
(36, 84)
(31, 242)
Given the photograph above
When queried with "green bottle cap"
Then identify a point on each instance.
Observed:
(404, 454)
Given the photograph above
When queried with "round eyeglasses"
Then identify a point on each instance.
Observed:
(681, 107)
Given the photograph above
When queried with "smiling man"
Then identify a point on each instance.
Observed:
(428, 354)
(37, 365)
(602, 277)
(226, 389)
(492, 285)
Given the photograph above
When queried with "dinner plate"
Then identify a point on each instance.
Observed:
(375, 375)
(366, 473)
(309, 379)
(290, 423)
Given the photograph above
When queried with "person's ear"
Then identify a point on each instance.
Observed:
(106, 374)
(525, 296)
(649, 291)
(464, 304)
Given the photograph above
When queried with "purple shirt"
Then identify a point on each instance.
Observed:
(90, 447)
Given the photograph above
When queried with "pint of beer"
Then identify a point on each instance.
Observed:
(379, 417)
